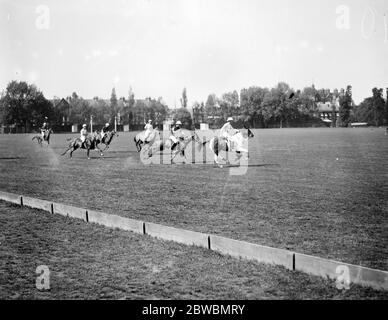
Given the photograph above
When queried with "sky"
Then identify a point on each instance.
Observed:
(158, 47)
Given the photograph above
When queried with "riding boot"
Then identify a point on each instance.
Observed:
(174, 145)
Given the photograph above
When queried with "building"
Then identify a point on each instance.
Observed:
(328, 112)
(62, 106)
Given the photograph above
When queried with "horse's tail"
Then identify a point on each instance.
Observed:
(161, 145)
(34, 137)
(211, 143)
(214, 145)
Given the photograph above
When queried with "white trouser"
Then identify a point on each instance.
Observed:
(83, 138)
(43, 132)
(147, 134)
(173, 139)
(228, 139)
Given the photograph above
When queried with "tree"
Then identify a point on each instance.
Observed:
(143, 110)
(307, 105)
(251, 105)
(211, 107)
(113, 104)
(197, 114)
(184, 98)
(101, 111)
(23, 104)
(364, 112)
(183, 115)
(324, 95)
(229, 104)
(346, 104)
(80, 110)
(378, 106)
(277, 105)
(386, 106)
(128, 112)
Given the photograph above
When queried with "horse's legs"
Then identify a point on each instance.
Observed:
(239, 156)
(175, 154)
(216, 159)
(62, 154)
(224, 159)
(99, 150)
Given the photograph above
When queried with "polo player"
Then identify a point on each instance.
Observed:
(227, 132)
(148, 128)
(177, 134)
(104, 131)
(84, 134)
(44, 128)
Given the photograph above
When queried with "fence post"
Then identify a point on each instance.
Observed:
(204, 150)
(193, 151)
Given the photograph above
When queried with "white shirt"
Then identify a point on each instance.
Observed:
(84, 132)
(227, 130)
(148, 126)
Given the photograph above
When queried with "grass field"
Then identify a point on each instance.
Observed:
(88, 261)
(315, 191)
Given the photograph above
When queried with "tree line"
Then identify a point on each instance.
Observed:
(23, 104)
(282, 106)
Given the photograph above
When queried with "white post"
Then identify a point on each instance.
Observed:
(115, 123)
(91, 123)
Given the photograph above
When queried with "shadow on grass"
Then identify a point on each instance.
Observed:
(12, 158)
(238, 165)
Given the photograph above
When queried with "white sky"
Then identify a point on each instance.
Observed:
(208, 46)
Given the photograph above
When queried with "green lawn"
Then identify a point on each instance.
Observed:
(295, 195)
(88, 261)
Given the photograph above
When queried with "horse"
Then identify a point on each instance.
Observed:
(46, 137)
(107, 139)
(91, 143)
(179, 148)
(140, 138)
(239, 140)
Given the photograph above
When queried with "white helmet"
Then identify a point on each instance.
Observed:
(84, 126)
(106, 124)
(229, 119)
(178, 122)
(150, 121)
